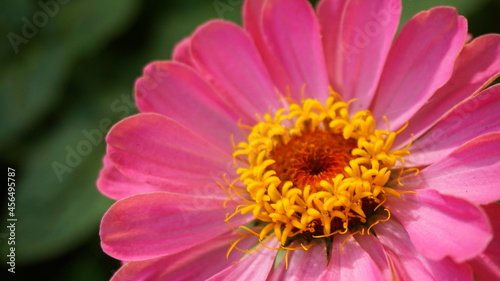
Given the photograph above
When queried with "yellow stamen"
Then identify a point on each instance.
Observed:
(313, 170)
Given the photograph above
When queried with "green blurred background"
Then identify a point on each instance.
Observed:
(74, 78)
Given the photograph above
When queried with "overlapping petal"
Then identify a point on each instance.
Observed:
(409, 264)
(357, 36)
(420, 62)
(227, 57)
(462, 228)
(291, 46)
(302, 266)
(151, 225)
(477, 65)
(345, 266)
(471, 172)
(256, 266)
(196, 263)
(113, 183)
(375, 249)
(156, 150)
(182, 52)
(174, 89)
(486, 266)
(471, 118)
(330, 16)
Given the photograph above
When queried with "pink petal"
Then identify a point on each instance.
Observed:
(473, 117)
(255, 266)
(330, 16)
(182, 52)
(471, 171)
(303, 265)
(486, 266)
(477, 65)
(469, 37)
(409, 264)
(353, 263)
(375, 249)
(252, 22)
(197, 263)
(114, 184)
(228, 58)
(151, 225)
(288, 36)
(357, 36)
(176, 91)
(420, 61)
(155, 150)
(441, 225)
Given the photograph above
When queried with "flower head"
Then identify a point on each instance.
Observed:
(311, 145)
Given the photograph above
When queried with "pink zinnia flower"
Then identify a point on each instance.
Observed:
(311, 146)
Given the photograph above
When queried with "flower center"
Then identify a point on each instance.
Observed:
(313, 170)
(312, 157)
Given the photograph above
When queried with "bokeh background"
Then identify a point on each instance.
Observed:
(64, 83)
